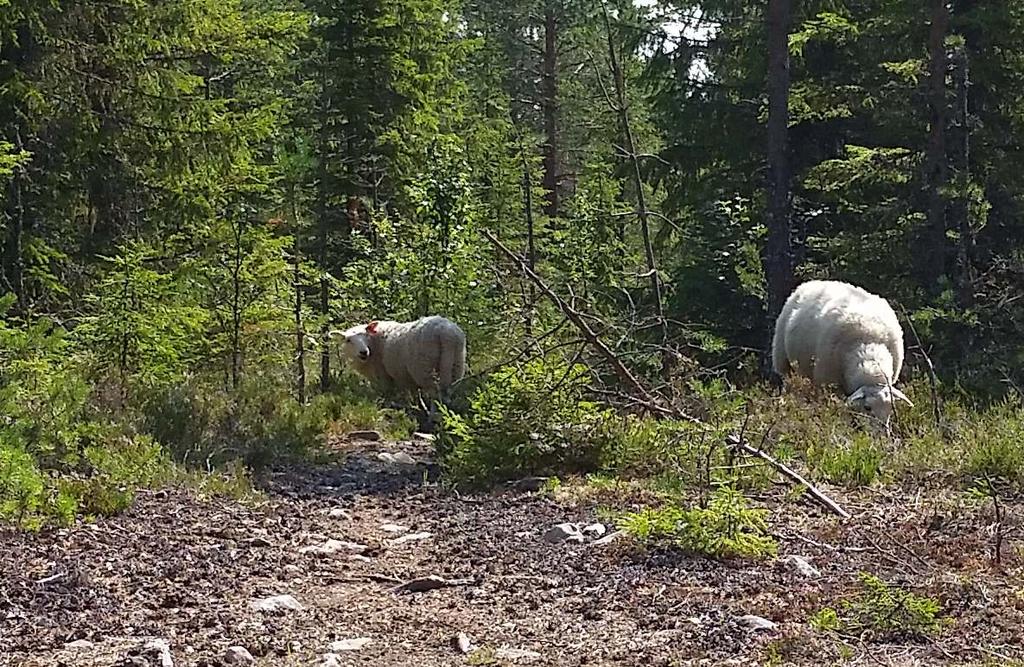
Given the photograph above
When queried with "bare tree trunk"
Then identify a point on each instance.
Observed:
(960, 213)
(236, 307)
(932, 256)
(325, 294)
(778, 255)
(641, 200)
(549, 103)
(300, 334)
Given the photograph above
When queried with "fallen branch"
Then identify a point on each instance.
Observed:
(429, 583)
(578, 319)
(734, 442)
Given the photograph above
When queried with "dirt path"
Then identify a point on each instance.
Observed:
(186, 571)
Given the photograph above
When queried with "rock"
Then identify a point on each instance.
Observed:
(516, 654)
(563, 532)
(595, 530)
(158, 650)
(338, 513)
(393, 528)
(530, 483)
(424, 437)
(276, 603)
(430, 583)
(411, 537)
(607, 539)
(330, 660)
(237, 655)
(398, 458)
(332, 547)
(79, 643)
(801, 566)
(370, 436)
(348, 644)
(755, 623)
(463, 643)
(361, 558)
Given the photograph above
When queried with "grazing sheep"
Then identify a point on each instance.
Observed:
(427, 354)
(837, 333)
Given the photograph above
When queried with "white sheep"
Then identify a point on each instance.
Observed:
(837, 333)
(428, 354)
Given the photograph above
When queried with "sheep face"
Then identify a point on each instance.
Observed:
(356, 345)
(877, 401)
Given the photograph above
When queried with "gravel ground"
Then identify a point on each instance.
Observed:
(184, 572)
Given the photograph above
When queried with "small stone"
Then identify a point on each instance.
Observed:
(563, 532)
(393, 528)
(276, 603)
(595, 530)
(369, 436)
(530, 483)
(159, 650)
(425, 437)
(411, 537)
(79, 643)
(338, 513)
(607, 539)
(361, 558)
(404, 459)
(463, 643)
(516, 654)
(755, 623)
(430, 583)
(801, 565)
(237, 655)
(348, 644)
(330, 660)
(332, 547)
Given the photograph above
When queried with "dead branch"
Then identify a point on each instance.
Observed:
(651, 402)
(933, 381)
(734, 442)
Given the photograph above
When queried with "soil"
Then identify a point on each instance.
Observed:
(186, 569)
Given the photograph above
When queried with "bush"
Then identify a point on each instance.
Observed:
(726, 528)
(525, 420)
(888, 613)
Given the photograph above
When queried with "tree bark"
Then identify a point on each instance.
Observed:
(549, 104)
(932, 255)
(960, 212)
(641, 200)
(322, 223)
(778, 256)
(300, 334)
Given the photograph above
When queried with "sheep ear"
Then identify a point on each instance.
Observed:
(900, 395)
(335, 332)
(372, 327)
(856, 396)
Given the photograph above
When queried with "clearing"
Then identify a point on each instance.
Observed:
(186, 571)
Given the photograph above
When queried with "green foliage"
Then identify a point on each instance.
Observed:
(885, 612)
(524, 420)
(858, 464)
(726, 528)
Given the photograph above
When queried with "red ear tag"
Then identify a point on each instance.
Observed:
(372, 327)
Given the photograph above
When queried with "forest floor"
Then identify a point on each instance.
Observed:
(183, 573)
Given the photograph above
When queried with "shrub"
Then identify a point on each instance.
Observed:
(884, 611)
(530, 419)
(726, 528)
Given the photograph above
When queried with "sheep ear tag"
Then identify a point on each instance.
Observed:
(855, 396)
(372, 327)
(900, 395)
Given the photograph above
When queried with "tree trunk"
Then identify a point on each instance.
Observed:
(778, 256)
(321, 206)
(549, 104)
(641, 200)
(932, 255)
(960, 212)
(300, 334)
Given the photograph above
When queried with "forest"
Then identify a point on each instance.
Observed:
(613, 199)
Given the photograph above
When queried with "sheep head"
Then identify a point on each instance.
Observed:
(877, 401)
(356, 343)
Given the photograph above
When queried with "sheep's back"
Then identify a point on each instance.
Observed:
(411, 351)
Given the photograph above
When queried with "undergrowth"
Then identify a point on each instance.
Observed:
(883, 612)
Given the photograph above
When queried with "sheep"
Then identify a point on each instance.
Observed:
(428, 354)
(840, 334)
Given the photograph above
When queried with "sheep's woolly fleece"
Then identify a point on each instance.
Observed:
(839, 334)
(428, 353)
